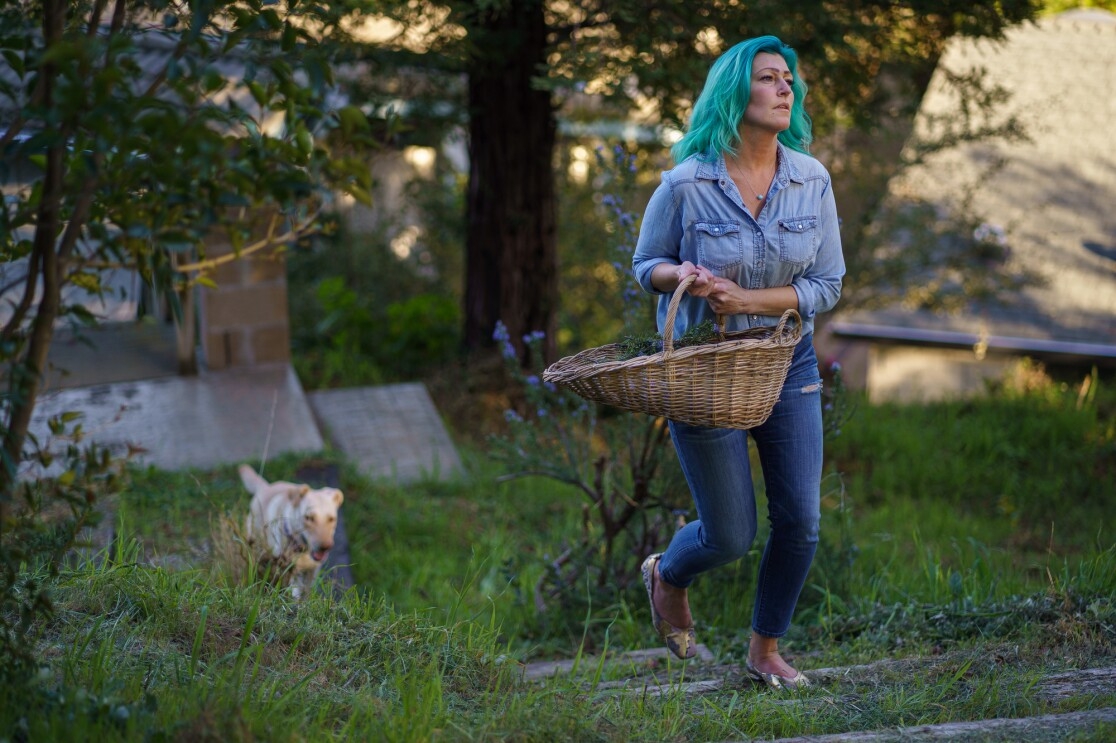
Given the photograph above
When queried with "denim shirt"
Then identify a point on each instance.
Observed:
(696, 214)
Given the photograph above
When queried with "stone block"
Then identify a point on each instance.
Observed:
(271, 344)
(265, 267)
(245, 306)
(225, 348)
(228, 274)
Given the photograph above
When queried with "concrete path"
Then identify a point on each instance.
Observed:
(245, 415)
(185, 422)
(392, 431)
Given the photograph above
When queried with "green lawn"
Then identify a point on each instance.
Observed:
(974, 540)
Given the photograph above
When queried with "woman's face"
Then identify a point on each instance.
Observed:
(769, 106)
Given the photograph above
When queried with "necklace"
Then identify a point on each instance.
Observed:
(748, 183)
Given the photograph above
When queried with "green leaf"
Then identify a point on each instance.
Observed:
(15, 61)
(352, 119)
(259, 93)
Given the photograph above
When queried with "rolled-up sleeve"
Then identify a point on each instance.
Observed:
(819, 287)
(660, 235)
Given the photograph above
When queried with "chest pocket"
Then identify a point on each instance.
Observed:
(719, 244)
(798, 239)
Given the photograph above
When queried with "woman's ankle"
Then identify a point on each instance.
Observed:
(671, 602)
(763, 653)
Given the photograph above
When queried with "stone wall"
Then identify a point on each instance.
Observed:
(244, 320)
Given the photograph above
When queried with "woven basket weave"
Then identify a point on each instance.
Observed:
(730, 383)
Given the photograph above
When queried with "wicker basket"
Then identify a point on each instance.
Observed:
(730, 383)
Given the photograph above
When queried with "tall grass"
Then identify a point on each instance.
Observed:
(150, 642)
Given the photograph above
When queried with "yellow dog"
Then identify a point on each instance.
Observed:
(291, 524)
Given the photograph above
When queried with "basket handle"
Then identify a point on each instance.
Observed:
(789, 314)
(672, 312)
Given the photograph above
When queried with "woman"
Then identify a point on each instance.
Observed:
(751, 215)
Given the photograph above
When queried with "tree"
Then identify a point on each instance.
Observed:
(132, 130)
(526, 59)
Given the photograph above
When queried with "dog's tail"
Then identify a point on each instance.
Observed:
(251, 480)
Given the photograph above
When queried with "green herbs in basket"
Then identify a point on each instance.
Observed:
(631, 347)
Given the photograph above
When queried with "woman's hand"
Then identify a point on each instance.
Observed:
(703, 281)
(666, 277)
(724, 296)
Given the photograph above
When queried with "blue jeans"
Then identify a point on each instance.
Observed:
(715, 462)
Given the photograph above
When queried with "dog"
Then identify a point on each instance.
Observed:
(291, 524)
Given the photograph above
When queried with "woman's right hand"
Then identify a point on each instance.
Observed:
(702, 285)
(666, 278)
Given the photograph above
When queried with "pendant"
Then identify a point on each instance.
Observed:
(759, 196)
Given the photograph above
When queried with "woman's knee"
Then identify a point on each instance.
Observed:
(729, 544)
(797, 524)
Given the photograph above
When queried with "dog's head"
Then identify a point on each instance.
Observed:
(318, 511)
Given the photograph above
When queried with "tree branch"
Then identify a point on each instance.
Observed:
(28, 295)
(270, 241)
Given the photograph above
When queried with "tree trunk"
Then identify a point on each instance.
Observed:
(26, 369)
(511, 272)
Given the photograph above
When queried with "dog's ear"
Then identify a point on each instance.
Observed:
(297, 493)
(338, 498)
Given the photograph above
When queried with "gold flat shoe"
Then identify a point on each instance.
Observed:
(679, 640)
(774, 680)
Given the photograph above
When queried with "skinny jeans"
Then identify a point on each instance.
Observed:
(717, 468)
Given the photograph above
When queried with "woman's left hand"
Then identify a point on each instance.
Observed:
(724, 296)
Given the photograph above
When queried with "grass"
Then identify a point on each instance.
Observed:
(967, 552)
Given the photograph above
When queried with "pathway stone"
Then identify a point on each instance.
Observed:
(655, 657)
(391, 431)
(649, 675)
(175, 423)
(1042, 727)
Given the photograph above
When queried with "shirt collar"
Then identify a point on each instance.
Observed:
(786, 170)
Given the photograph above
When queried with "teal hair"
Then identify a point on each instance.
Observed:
(714, 124)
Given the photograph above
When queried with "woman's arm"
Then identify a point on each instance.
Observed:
(659, 243)
(820, 287)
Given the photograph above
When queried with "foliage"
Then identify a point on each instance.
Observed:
(626, 52)
(633, 346)
(620, 462)
(134, 133)
(360, 316)
(93, 182)
(922, 255)
(864, 63)
(40, 533)
(1015, 457)
(593, 231)
(1050, 7)
(949, 623)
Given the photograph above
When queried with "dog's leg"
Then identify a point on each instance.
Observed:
(300, 585)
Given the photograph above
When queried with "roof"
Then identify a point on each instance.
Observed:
(154, 48)
(1054, 196)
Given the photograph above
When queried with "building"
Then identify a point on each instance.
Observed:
(1051, 198)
